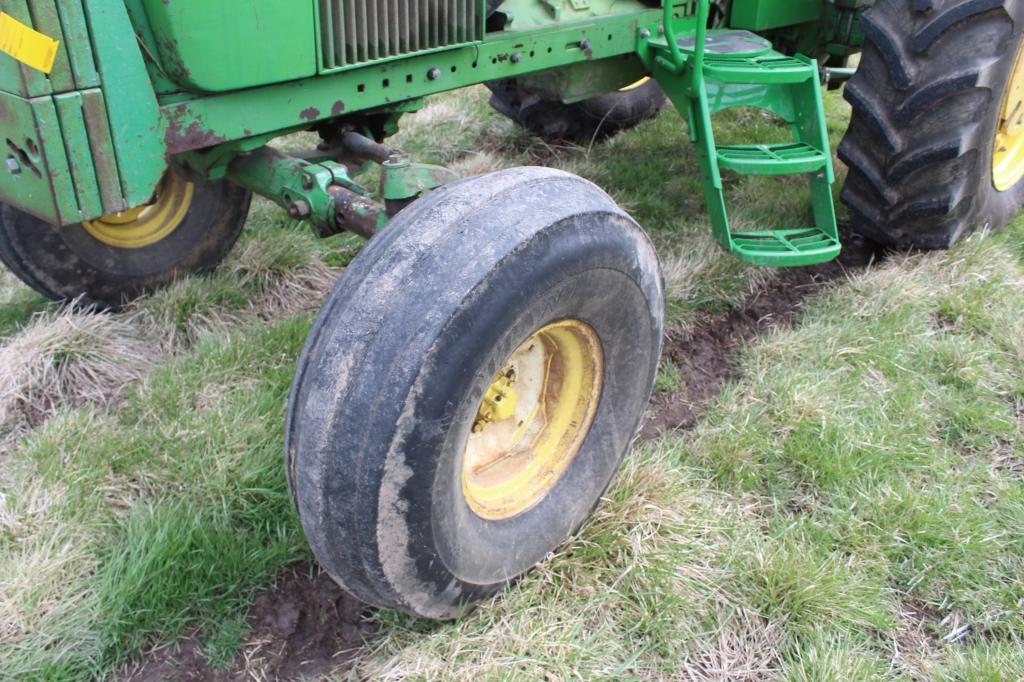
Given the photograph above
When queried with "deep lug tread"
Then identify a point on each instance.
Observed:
(873, 115)
(860, 163)
(925, 105)
(930, 94)
(919, 159)
(888, 41)
(957, 14)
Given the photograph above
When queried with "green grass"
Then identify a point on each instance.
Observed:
(850, 508)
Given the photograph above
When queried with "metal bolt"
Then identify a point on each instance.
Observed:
(516, 58)
(13, 167)
(661, 30)
(645, 33)
(307, 182)
(299, 210)
(584, 44)
(434, 74)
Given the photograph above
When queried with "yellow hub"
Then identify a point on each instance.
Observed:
(146, 225)
(1008, 155)
(532, 420)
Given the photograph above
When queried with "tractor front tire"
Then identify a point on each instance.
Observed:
(590, 120)
(935, 148)
(471, 386)
(187, 228)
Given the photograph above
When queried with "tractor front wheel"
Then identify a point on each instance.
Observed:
(471, 386)
(186, 228)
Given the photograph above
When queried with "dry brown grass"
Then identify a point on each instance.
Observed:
(74, 356)
(70, 357)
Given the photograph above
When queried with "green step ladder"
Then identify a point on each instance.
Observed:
(706, 71)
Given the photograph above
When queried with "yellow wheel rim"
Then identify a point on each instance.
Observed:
(634, 86)
(146, 225)
(1008, 155)
(532, 420)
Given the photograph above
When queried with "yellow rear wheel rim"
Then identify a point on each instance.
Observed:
(146, 225)
(1008, 155)
(634, 86)
(533, 420)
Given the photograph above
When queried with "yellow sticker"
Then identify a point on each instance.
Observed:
(28, 46)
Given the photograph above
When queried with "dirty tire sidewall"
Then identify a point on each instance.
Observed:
(67, 262)
(387, 389)
(926, 102)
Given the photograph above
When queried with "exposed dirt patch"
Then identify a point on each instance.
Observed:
(704, 353)
(943, 323)
(304, 627)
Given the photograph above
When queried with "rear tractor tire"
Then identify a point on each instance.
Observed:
(186, 228)
(935, 147)
(471, 387)
(590, 120)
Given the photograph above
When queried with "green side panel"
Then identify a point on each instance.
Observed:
(56, 159)
(104, 159)
(136, 126)
(161, 83)
(758, 15)
(14, 76)
(47, 21)
(76, 41)
(35, 175)
(76, 143)
(220, 45)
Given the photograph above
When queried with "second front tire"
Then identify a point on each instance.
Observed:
(471, 387)
(584, 122)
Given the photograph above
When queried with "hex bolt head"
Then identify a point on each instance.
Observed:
(516, 58)
(434, 74)
(645, 33)
(584, 44)
(13, 167)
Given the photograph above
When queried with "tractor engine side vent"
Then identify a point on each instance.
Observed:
(357, 31)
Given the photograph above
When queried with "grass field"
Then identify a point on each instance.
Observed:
(850, 507)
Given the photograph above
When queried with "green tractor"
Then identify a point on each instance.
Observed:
(473, 382)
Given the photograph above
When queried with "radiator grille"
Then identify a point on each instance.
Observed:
(356, 31)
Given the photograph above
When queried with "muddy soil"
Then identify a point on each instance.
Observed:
(705, 353)
(308, 627)
(304, 627)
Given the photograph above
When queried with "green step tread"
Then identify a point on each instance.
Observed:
(773, 68)
(771, 159)
(781, 248)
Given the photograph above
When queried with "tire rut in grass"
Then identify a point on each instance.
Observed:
(304, 627)
(704, 354)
